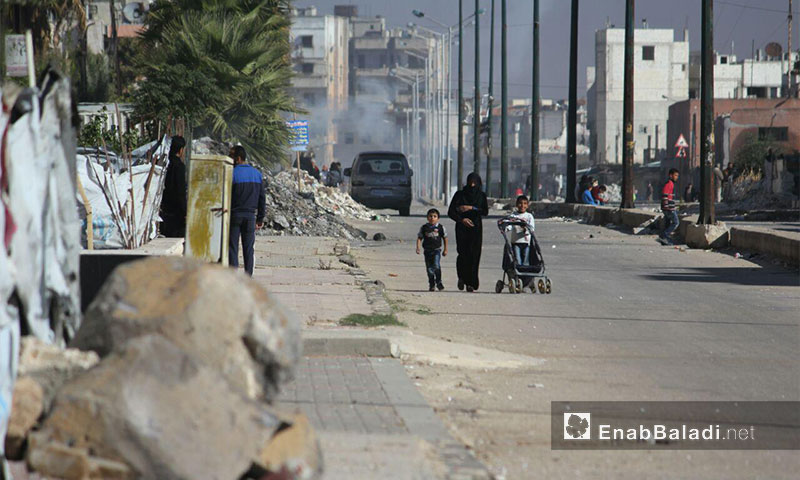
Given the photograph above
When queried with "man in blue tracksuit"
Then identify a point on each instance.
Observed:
(248, 203)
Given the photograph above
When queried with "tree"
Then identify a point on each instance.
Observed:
(224, 65)
(750, 156)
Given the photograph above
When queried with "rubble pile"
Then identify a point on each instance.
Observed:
(315, 210)
(751, 191)
(209, 146)
(161, 389)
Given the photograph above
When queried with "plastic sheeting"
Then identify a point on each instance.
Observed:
(109, 195)
(40, 251)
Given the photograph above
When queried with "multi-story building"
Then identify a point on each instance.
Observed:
(760, 77)
(321, 65)
(129, 17)
(661, 78)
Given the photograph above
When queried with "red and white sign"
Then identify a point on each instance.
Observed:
(681, 145)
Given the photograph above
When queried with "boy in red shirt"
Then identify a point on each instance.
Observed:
(668, 207)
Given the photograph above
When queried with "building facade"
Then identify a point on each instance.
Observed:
(737, 123)
(321, 82)
(759, 77)
(661, 78)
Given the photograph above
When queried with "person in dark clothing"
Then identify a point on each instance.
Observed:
(466, 209)
(248, 206)
(688, 193)
(173, 201)
(334, 175)
(431, 237)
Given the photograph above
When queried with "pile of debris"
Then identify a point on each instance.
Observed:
(161, 388)
(313, 210)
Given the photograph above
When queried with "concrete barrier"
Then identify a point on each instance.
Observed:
(785, 245)
(595, 215)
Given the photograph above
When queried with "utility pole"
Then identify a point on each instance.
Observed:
(628, 149)
(572, 118)
(534, 186)
(504, 104)
(707, 116)
(115, 48)
(460, 167)
(476, 116)
(2, 41)
(790, 66)
(488, 179)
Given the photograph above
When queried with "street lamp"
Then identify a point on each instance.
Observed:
(460, 23)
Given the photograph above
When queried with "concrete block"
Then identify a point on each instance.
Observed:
(707, 236)
(785, 245)
(684, 223)
(634, 217)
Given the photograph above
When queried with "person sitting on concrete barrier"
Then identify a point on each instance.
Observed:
(248, 207)
(668, 207)
(587, 197)
(599, 194)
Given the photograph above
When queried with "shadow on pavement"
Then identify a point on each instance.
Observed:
(738, 276)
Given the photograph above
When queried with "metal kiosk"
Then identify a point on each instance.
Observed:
(208, 210)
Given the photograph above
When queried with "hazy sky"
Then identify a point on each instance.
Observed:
(737, 21)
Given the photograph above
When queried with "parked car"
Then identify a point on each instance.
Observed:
(381, 180)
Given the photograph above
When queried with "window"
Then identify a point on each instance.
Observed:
(649, 53)
(307, 41)
(381, 166)
(361, 62)
(723, 60)
(309, 99)
(308, 68)
(349, 138)
(775, 134)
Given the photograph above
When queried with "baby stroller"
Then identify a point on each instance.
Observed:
(515, 276)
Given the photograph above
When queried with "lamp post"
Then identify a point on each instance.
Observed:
(460, 157)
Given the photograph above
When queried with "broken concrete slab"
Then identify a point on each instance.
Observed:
(158, 410)
(51, 366)
(26, 408)
(707, 236)
(225, 319)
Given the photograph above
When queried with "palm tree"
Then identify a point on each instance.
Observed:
(225, 65)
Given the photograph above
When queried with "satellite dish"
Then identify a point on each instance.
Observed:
(774, 49)
(134, 12)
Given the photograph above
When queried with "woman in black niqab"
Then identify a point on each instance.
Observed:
(467, 208)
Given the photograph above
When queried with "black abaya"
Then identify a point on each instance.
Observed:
(469, 240)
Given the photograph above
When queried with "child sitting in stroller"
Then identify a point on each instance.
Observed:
(521, 237)
(523, 265)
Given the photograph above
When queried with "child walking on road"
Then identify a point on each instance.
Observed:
(431, 237)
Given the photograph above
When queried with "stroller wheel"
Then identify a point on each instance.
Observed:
(498, 287)
(548, 286)
(540, 284)
(519, 286)
(511, 288)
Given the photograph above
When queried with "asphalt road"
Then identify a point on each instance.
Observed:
(628, 319)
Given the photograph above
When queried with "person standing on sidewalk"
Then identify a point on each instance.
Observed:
(248, 205)
(431, 237)
(466, 209)
(173, 200)
(668, 208)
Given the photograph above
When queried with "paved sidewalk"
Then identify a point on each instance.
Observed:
(371, 420)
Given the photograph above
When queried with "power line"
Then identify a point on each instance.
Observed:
(751, 7)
